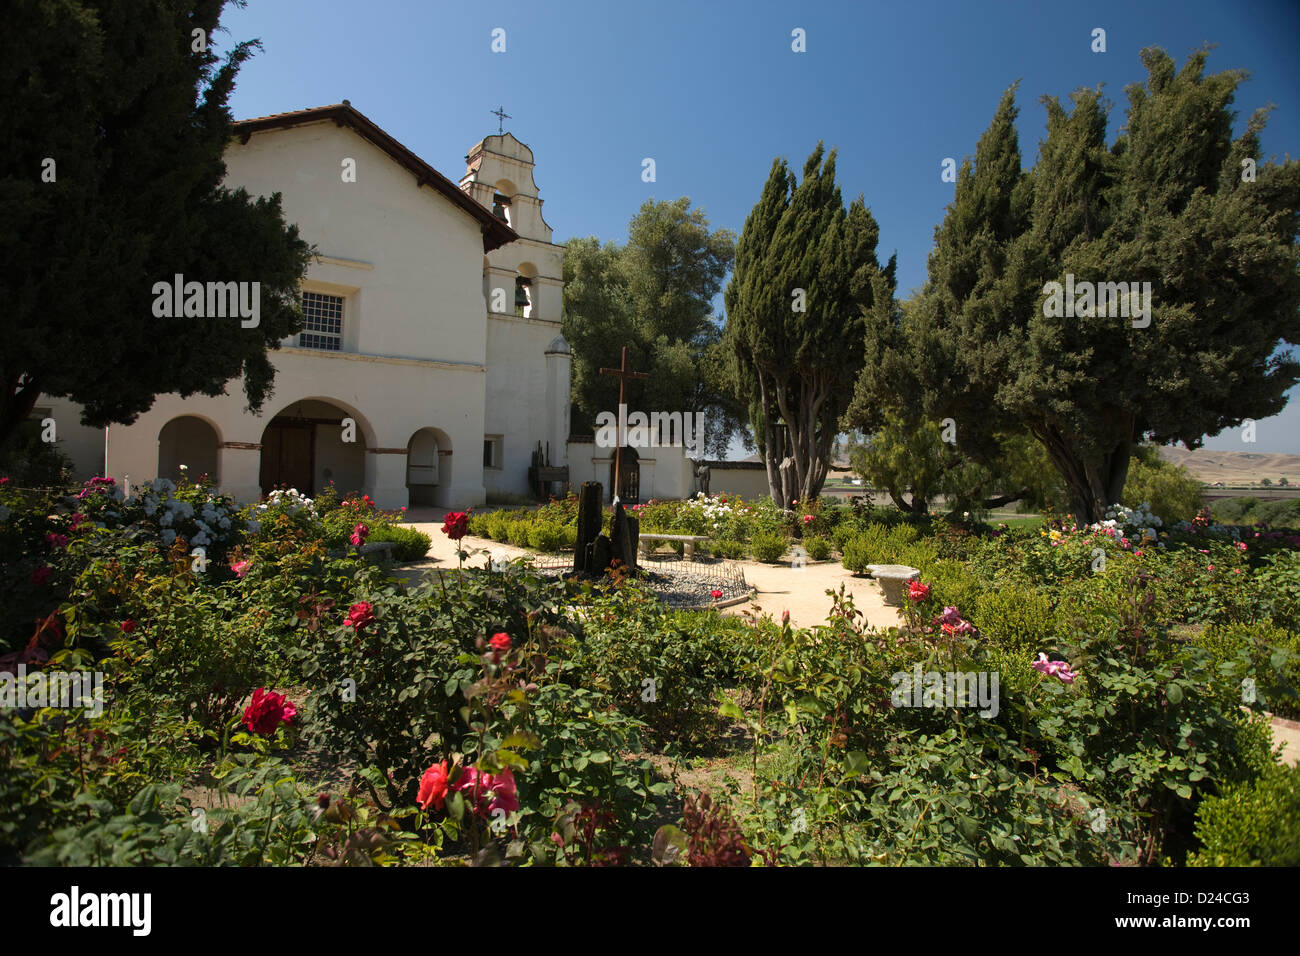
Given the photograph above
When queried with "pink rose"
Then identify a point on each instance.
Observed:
(240, 568)
(359, 534)
(1058, 669)
(41, 575)
(56, 540)
(487, 792)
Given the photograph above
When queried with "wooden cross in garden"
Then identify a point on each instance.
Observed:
(623, 373)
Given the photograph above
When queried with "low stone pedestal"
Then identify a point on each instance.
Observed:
(893, 580)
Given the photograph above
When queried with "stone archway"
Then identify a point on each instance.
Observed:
(428, 468)
(309, 445)
(190, 441)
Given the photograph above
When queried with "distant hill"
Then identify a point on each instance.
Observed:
(1235, 467)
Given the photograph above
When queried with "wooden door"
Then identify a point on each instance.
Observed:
(288, 457)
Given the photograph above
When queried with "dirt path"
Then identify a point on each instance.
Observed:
(780, 587)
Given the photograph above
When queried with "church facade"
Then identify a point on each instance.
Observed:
(430, 366)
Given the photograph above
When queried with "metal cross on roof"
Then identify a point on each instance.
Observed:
(501, 116)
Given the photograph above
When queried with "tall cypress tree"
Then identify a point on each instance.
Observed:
(805, 270)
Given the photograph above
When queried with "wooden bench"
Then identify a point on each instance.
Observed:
(690, 541)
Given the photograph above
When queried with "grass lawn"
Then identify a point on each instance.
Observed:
(1016, 520)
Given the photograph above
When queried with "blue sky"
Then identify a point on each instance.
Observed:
(713, 92)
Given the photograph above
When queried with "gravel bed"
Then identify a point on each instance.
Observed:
(678, 587)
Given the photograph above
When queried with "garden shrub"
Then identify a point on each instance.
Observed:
(479, 525)
(1014, 617)
(726, 548)
(1170, 489)
(819, 549)
(953, 584)
(517, 530)
(630, 639)
(410, 665)
(409, 544)
(1276, 587)
(547, 536)
(857, 554)
(1255, 823)
(496, 526)
(881, 543)
(1148, 725)
(768, 545)
(1273, 661)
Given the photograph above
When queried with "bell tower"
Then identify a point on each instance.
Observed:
(523, 278)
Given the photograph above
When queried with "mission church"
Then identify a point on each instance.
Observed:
(430, 369)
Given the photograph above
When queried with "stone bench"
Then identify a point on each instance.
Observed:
(690, 541)
(380, 551)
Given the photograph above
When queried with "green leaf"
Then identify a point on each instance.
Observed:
(729, 708)
(522, 740)
(1174, 693)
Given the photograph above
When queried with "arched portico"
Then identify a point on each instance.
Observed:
(190, 441)
(312, 443)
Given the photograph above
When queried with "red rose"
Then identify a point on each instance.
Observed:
(716, 594)
(917, 591)
(359, 534)
(433, 786)
(41, 575)
(359, 615)
(456, 525)
(267, 711)
(500, 644)
(128, 626)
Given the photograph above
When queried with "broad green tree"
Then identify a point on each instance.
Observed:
(805, 271)
(1175, 202)
(655, 296)
(115, 123)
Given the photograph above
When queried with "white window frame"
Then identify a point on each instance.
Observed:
(340, 336)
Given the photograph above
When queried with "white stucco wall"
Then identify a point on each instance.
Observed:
(427, 255)
(420, 350)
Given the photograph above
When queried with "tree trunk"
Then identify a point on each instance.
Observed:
(17, 403)
(1091, 485)
(789, 483)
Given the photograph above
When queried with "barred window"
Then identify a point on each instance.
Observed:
(322, 322)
